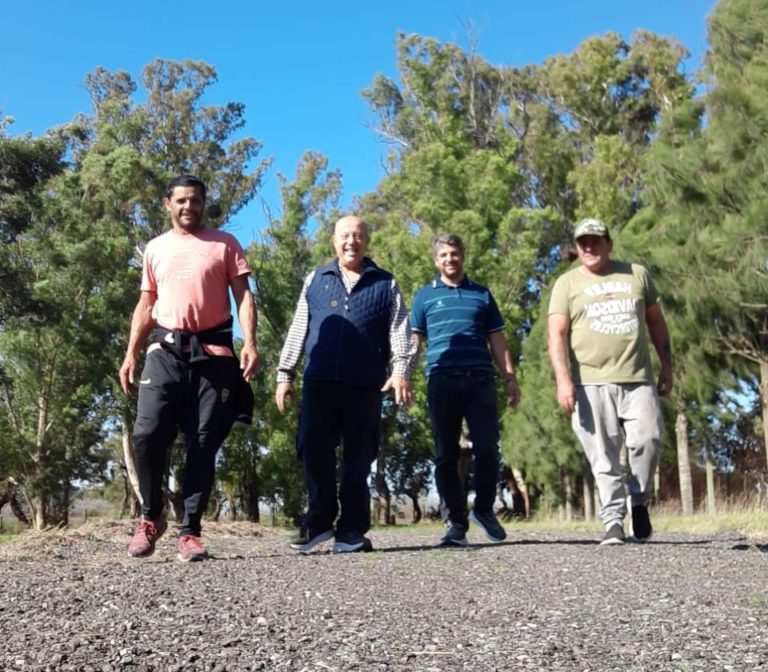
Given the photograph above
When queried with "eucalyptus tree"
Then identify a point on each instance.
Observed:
(586, 121)
(709, 209)
(262, 458)
(80, 252)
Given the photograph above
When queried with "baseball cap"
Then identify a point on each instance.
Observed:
(591, 227)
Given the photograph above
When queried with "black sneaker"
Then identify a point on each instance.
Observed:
(308, 539)
(613, 535)
(456, 535)
(352, 542)
(491, 526)
(641, 523)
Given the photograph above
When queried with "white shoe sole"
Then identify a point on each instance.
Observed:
(341, 547)
(314, 541)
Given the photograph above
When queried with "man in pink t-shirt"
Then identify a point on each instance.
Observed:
(191, 379)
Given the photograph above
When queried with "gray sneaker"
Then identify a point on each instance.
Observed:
(308, 539)
(456, 535)
(614, 535)
(352, 542)
(491, 526)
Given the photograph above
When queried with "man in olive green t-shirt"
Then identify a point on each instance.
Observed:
(601, 316)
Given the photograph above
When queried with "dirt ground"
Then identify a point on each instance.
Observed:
(539, 601)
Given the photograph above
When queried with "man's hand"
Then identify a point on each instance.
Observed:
(513, 392)
(566, 396)
(664, 383)
(249, 361)
(283, 392)
(127, 371)
(402, 388)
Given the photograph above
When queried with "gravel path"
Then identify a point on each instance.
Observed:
(540, 601)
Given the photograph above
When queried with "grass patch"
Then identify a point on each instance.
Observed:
(752, 524)
(749, 519)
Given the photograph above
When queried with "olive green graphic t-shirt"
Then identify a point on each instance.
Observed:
(608, 340)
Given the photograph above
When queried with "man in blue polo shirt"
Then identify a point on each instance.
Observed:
(459, 319)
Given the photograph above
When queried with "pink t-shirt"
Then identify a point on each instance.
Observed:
(191, 274)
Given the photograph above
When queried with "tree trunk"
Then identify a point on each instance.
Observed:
(40, 502)
(764, 404)
(382, 489)
(587, 491)
(177, 504)
(683, 459)
(220, 501)
(414, 496)
(710, 485)
(125, 503)
(11, 497)
(129, 457)
(61, 512)
(567, 489)
(250, 496)
(596, 500)
(522, 488)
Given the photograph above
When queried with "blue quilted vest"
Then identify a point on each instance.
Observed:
(348, 334)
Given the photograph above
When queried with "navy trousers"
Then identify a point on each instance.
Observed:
(453, 395)
(332, 414)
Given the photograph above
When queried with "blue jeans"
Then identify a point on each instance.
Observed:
(453, 395)
(334, 413)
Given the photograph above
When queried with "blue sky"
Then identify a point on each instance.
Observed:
(299, 67)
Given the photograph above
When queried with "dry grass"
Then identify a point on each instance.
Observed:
(118, 532)
(745, 516)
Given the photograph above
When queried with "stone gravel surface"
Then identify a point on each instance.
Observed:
(539, 601)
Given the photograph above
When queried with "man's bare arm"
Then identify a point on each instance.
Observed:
(558, 328)
(142, 324)
(247, 317)
(657, 328)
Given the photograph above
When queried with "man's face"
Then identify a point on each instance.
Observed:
(185, 206)
(594, 252)
(449, 262)
(350, 238)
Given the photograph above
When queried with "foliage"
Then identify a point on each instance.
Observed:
(280, 261)
(708, 211)
(76, 247)
(508, 158)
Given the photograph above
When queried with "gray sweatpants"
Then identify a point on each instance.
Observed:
(603, 414)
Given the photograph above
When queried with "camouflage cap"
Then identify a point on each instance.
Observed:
(591, 227)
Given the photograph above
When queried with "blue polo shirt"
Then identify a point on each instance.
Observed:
(456, 322)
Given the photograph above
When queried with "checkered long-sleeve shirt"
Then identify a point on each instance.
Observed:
(403, 349)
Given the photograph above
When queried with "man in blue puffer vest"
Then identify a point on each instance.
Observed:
(351, 324)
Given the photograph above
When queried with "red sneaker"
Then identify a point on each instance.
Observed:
(144, 539)
(191, 549)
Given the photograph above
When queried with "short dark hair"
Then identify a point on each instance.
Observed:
(185, 181)
(447, 239)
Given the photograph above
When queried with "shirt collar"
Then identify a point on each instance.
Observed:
(438, 282)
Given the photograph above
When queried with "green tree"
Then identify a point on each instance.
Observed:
(60, 365)
(26, 164)
(280, 261)
(707, 189)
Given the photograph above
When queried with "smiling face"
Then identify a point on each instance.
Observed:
(449, 261)
(594, 253)
(350, 238)
(185, 205)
